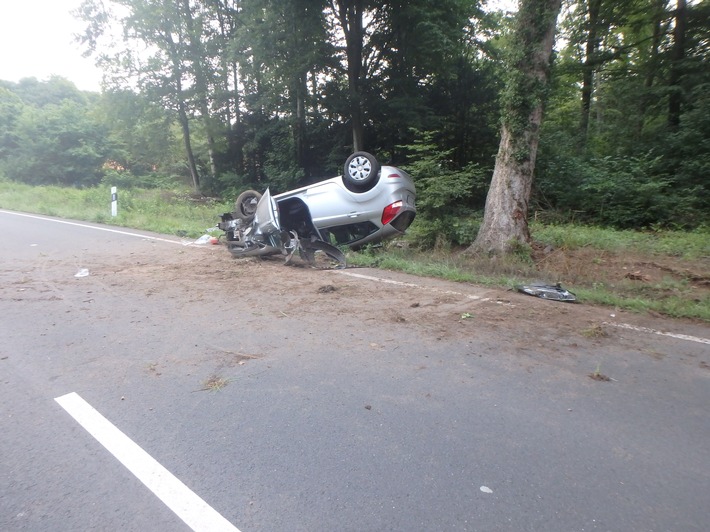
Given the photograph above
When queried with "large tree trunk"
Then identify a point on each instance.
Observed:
(505, 222)
(592, 45)
(678, 54)
(350, 13)
(196, 52)
(181, 109)
(191, 163)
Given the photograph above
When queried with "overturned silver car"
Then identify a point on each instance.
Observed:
(367, 204)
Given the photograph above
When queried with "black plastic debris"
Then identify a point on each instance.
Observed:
(554, 292)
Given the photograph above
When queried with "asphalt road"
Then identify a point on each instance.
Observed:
(267, 414)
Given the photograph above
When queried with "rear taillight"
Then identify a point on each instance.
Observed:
(391, 211)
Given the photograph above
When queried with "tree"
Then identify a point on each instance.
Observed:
(349, 14)
(677, 55)
(505, 223)
(49, 133)
(176, 73)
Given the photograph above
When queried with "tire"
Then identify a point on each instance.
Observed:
(245, 206)
(361, 172)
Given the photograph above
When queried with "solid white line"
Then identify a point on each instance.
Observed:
(195, 512)
(107, 229)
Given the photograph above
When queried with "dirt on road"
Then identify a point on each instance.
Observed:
(355, 297)
(443, 309)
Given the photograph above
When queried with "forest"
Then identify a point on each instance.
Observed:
(224, 95)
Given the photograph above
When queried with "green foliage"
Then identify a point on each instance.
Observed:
(446, 195)
(48, 141)
(141, 139)
(58, 144)
(684, 244)
(444, 231)
(631, 166)
(622, 192)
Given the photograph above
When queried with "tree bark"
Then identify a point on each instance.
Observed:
(678, 54)
(196, 54)
(592, 45)
(349, 13)
(505, 222)
(181, 107)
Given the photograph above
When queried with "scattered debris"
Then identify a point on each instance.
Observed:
(637, 276)
(547, 291)
(83, 272)
(486, 489)
(596, 331)
(215, 383)
(466, 316)
(204, 239)
(326, 289)
(599, 377)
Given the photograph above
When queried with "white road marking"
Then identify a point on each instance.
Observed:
(646, 330)
(411, 285)
(107, 229)
(662, 333)
(195, 512)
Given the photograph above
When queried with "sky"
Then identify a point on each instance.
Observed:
(36, 41)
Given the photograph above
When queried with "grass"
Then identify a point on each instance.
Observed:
(162, 211)
(586, 259)
(683, 244)
(588, 262)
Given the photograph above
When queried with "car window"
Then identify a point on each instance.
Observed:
(345, 234)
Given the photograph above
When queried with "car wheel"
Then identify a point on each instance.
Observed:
(361, 172)
(245, 206)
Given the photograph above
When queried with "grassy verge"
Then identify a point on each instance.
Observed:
(589, 261)
(173, 212)
(670, 297)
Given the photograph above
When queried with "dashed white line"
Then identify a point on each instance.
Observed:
(636, 328)
(195, 512)
(646, 330)
(411, 285)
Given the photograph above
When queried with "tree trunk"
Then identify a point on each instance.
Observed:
(505, 222)
(196, 52)
(350, 14)
(181, 108)
(659, 14)
(593, 8)
(191, 163)
(678, 54)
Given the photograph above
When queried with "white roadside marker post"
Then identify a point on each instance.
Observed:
(114, 202)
